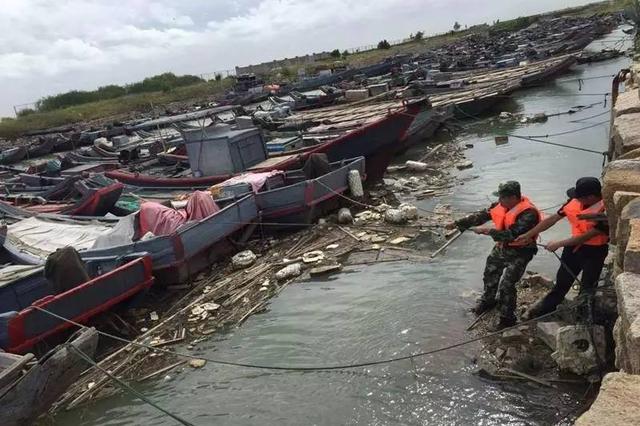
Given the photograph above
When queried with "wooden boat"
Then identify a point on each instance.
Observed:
(175, 257)
(292, 197)
(23, 287)
(373, 134)
(553, 69)
(44, 146)
(13, 155)
(26, 396)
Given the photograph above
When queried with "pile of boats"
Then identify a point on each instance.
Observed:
(153, 202)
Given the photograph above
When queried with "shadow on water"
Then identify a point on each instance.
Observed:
(390, 309)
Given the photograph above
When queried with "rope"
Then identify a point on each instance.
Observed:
(564, 133)
(559, 144)
(311, 368)
(123, 385)
(590, 117)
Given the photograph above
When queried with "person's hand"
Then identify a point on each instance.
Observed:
(524, 238)
(480, 230)
(553, 245)
(450, 225)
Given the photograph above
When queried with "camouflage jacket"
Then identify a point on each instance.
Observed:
(524, 222)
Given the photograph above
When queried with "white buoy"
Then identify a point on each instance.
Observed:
(355, 183)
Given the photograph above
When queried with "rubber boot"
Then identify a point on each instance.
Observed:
(482, 306)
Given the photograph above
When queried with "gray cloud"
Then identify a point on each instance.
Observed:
(47, 47)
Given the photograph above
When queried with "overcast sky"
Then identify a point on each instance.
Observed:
(51, 46)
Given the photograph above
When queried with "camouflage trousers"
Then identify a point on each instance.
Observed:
(504, 268)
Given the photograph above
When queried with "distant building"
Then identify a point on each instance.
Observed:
(266, 67)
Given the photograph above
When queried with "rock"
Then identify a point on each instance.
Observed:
(620, 201)
(399, 240)
(631, 262)
(243, 259)
(537, 280)
(540, 117)
(344, 216)
(416, 166)
(620, 175)
(512, 336)
(468, 145)
(626, 331)
(575, 349)
(324, 270)
(466, 164)
(617, 402)
(625, 134)
(548, 332)
(605, 304)
(505, 115)
(630, 211)
(289, 271)
(197, 363)
(499, 353)
(628, 102)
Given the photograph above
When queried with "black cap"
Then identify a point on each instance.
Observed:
(585, 186)
(509, 188)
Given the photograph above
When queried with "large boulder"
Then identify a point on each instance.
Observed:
(617, 402)
(580, 349)
(625, 134)
(623, 229)
(626, 332)
(628, 102)
(631, 251)
(620, 201)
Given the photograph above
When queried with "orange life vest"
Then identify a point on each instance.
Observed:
(579, 226)
(504, 219)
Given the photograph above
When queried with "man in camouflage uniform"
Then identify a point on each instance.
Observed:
(504, 261)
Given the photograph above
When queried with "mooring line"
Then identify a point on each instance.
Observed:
(126, 387)
(313, 368)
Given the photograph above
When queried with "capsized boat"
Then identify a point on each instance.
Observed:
(25, 396)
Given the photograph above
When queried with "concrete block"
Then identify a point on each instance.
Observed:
(629, 212)
(580, 348)
(617, 402)
(628, 102)
(620, 201)
(625, 134)
(626, 332)
(547, 332)
(631, 252)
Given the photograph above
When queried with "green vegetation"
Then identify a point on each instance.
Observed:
(112, 109)
(335, 53)
(163, 82)
(384, 44)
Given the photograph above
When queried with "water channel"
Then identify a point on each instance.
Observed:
(390, 309)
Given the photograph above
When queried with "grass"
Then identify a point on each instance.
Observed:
(109, 109)
(119, 107)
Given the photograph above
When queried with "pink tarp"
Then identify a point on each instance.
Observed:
(256, 180)
(163, 220)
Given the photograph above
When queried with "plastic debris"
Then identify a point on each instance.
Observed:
(289, 271)
(466, 164)
(313, 256)
(197, 363)
(410, 211)
(355, 183)
(395, 216)
(344, 216)
(153, 316)
(416, 166)
(243, 259)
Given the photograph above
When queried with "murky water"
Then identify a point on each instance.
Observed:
(380, 311)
